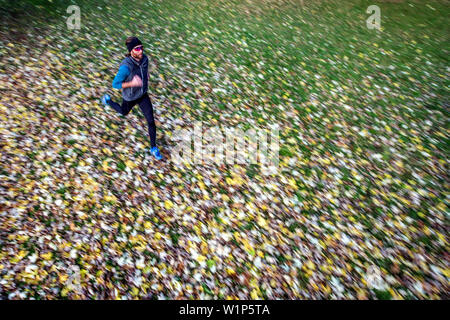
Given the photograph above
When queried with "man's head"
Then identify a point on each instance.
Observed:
(134, 47)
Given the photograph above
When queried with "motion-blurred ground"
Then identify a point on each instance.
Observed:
(358, 209)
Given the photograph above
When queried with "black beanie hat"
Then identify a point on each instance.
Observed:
(134, 42)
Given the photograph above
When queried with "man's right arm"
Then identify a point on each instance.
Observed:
(121, 75)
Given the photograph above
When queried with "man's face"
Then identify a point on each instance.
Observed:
(137, 52)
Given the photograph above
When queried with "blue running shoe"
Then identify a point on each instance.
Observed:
(106, 99)
(155, 152)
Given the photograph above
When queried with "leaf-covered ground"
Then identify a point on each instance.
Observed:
(357, 210)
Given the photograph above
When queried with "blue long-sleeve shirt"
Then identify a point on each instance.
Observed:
(121, 75)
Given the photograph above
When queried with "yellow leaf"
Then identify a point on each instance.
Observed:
(230, 271)
(63, 278)
(310, 265)
(107, 151)
(201, 258)
(168, 204)
(147, 225)
(262, 222)
(64, 292)
(46, 256)
(130, 164)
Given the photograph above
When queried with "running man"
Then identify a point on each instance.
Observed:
(132, 78)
